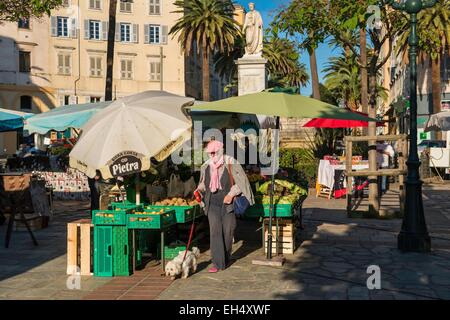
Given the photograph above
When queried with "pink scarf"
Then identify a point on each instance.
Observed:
(217, 161)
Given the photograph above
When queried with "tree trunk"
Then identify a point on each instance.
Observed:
(110, 50)
(364, 77)
(205, 74)
(436, 88)
(374, 201)
(314, 73)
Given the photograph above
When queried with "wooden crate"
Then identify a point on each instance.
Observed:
(286, 236)
(79, 247)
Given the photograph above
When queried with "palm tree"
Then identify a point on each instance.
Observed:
(343, 79)
(210, 24)
(434, 36)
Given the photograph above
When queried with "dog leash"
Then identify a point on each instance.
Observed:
(190, 237)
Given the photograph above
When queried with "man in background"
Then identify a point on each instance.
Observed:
(385, 153)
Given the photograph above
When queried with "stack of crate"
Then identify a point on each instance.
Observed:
(286, 236)
(111, 243)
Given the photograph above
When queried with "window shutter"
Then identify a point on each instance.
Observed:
(67, 64)
(73, 28)
(91, 4)
(60, 63)
(135, 37)
(164, 34)
(86, 29)
(105, 30)
(157, 6)
(117, 31)
(54, 26)
(146, 33)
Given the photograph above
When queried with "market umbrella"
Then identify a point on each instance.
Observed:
(120, 139)
(11, 120)
(64, 117)
(276, 102)
(340, 123)
(438, 122)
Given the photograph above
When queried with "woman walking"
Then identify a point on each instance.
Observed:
(221, 180)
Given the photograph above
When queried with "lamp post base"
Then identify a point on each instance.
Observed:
(414, 235)
(413, 242)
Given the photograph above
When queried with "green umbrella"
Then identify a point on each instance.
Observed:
(279, 102)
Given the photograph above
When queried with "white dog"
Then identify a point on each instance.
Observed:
(177, 265)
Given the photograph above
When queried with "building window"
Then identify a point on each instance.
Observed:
(155, 7)
(65, 3)
(155, 71)
(62, 27)
(95, 66)
(25, 103)
(24, 23)
(66, 100)
(94, 29)
(64, 63)
(24, 61)
(125, 6)
(126, 69)
(95, 4)
(95, 99)
(155, 33)
(125, 32)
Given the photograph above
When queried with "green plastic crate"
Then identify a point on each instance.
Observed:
(103, 242)
(109, 217)
(111, 251)
(121, 251)
(183, 213)
(151, 221)
(171, 251)
(280, 210)
(125, 205)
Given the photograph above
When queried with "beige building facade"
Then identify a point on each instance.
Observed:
(61, 59)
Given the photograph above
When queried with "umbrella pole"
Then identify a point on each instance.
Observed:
(268, 260)
(138, 189)
(272, 191)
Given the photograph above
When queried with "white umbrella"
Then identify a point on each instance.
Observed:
(120, 139)
(438, 122)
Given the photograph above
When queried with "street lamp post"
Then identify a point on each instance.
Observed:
(414, 234)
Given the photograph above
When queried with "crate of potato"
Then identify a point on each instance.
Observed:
(185, 210)
(151, 219)
(116, 217)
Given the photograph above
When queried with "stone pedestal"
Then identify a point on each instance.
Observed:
(251, 74)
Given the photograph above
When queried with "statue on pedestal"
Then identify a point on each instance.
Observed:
(253, 29)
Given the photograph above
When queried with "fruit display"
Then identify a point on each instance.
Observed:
(176, 202)
(150, 212)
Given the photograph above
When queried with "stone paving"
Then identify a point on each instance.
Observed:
(330, 262)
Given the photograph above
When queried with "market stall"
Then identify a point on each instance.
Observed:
(287, 104)
(134, 130)
(331, 178)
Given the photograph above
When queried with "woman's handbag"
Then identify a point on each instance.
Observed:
(240, 203)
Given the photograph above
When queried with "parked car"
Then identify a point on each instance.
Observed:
(430, 144)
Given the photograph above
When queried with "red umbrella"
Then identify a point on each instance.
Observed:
(337, 123)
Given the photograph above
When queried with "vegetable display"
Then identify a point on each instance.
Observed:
(285, 192)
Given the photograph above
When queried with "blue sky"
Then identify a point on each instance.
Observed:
(268, 9)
